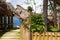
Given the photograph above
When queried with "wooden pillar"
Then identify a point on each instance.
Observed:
(1, 22)
(45, 8)
(11, 21)
(25, 32)
(5, 22)
(23, 36)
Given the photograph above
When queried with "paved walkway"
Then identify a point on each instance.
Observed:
(11, 35)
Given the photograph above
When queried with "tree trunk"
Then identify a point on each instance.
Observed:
(59, 22)
(45, 8)
(55, 13)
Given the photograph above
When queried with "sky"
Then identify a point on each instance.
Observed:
(25, 4)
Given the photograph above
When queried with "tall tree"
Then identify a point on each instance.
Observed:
(30, 9)
(53, 8)
(45, 8)
(33, 4)
(55, 13)
(58, 10)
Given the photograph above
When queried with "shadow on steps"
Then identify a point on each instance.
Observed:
(2, 32)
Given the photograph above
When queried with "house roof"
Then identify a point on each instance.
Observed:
(10, 6)
(6, 8)
(22, 7)
(22, 13)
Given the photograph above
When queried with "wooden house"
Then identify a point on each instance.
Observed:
(5, 14)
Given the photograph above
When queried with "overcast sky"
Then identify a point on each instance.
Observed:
(24, 5)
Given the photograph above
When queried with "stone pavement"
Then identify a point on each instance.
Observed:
(11, 35)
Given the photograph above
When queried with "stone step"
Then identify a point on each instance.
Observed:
(9, 39)
(11, 35)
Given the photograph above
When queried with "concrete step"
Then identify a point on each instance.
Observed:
(9, 39)
(11, 35)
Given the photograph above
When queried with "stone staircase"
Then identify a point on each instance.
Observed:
(11, 35)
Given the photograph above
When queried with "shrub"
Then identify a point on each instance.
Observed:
(37, 23)
(53, 29)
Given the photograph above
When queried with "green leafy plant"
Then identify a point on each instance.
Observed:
(37, 23)
(53, 29)
(30, 9)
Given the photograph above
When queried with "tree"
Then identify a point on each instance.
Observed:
(30, 11)
(45, 7)
(55, 13)
(33, 4)
(58, 10)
